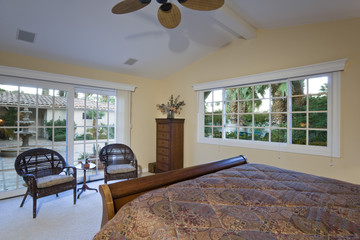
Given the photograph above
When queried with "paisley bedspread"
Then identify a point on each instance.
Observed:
(250, 201)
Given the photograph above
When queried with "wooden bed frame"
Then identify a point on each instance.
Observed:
(116, 195)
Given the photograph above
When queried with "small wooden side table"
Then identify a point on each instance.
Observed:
(84, 186)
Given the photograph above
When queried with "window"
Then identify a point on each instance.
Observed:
(47, 113)
(294, 114)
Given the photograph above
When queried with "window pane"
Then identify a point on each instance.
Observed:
(91, 101)
(231, 119)
(60, 135)
(231, 94)
(102, 117)
(279, 105)
(279, 89)
(318, 85)
(207, 132)
(28, 96)
(230, 133)
(102, 133)
(298, 87)
(261, 134)
(79, 101)
(245, 93)
(218, 132)
(111, 133)
(79, 133)
(218, 120)
(261, 120)
(245, 133)
(91, 133)
(298, 104)
(299, 137)
(8, 137)
(318, 120)
(279, 120)
(279, 135)
(208, 97)
(112, 101)
(208, 120)
(79, 153)
(245, 107)
(231, 107)
(245, 120)
(262, 91)
(217, 107)
(45, 136)
(318, 103)
(262, 105)
(318, 138)
(299, 120)
(208, 108)
(8, 116)
(27, 137)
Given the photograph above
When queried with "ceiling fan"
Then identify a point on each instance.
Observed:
(168, 14)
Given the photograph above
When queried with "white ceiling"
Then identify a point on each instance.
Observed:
(86, 33)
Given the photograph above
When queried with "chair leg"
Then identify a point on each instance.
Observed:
(34, 205)
(23, 201)
(74, 195)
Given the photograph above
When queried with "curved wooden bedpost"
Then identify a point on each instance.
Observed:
(116, 195)
(108, 204)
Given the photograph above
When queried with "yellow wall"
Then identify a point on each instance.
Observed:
(272, 50)
(143, 99)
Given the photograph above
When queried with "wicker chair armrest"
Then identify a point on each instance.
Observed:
(30, 180)
(70, 170)
(133, 162)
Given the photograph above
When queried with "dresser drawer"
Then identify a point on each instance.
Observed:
(162, 151)
(163, 127)
(163, 135)
(163, 143)
(162, 159)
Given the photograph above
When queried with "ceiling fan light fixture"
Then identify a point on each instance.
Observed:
(169, 15)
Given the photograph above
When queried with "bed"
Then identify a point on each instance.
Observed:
(230, 199)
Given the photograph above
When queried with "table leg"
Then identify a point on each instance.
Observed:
(84, 186)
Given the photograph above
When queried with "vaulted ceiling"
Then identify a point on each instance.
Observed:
(86, 33)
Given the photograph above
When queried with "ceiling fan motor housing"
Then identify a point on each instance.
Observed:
(166, 7)
(162, 1)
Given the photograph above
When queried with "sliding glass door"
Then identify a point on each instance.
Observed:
(94, 117)
(29, 117)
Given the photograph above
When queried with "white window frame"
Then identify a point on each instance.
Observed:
(332, 68)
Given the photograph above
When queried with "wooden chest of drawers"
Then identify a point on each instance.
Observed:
(169, 144)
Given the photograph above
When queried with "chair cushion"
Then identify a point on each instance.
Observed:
(52, 180)
(120, 168)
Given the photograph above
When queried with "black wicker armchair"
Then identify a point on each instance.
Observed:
(119, 162)
(45, 172)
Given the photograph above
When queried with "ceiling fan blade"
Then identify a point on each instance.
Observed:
(127, 6)
(202, 5)
(169, 15)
